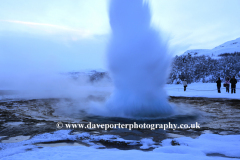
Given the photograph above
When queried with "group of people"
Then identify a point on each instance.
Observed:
(233, 82)
(227, 83)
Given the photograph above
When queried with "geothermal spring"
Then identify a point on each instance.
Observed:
(138, 62)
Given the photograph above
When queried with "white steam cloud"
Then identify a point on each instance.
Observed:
(138, 62)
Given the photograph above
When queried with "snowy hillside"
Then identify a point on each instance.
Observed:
(206, 65)
(227, 47)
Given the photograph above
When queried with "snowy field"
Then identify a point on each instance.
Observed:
(208, 90)
(224, 146)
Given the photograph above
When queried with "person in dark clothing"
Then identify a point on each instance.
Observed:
(227, 84)
(233, 82)
(219, 85)
(185, 84)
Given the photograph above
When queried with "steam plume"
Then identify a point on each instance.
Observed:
(138, 61)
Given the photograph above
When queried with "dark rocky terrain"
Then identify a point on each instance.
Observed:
(36, 116)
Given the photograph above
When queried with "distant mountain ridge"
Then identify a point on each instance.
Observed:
(90, 75)
(227, 47)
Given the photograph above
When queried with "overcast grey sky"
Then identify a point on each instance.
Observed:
(67, 35)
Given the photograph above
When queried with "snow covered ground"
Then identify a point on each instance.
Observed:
(188, 148)
(208, 90)
(204, 147)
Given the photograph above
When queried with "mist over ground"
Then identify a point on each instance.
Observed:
(37, 69)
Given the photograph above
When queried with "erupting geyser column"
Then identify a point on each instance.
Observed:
(138, 62)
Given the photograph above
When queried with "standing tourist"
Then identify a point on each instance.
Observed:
(185, 84)
(219, 85)
(233, 82)
(227, 84)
